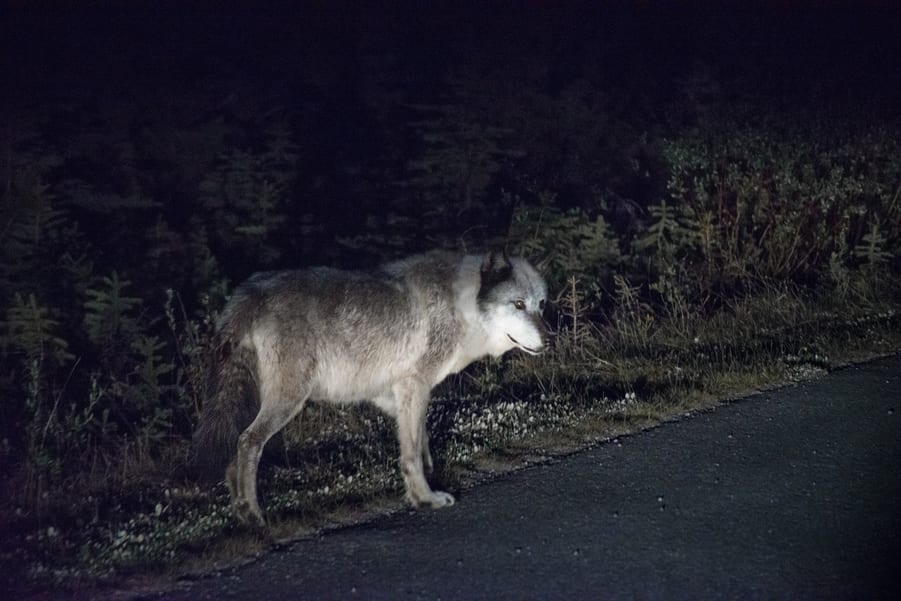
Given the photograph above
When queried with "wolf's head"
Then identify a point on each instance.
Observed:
(512, 297)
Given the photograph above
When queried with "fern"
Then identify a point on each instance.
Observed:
(565, 244)
(108, 311)
(671, 230)
(31, 330)
(151, 368)
(29, 222)
(145, 394)
(460, 156)
(90, 424)
(83, 195)
(871, 250)
(247, 193)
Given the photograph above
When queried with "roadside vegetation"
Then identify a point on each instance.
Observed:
(696, 248)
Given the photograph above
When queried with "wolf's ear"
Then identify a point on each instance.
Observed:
(496, 268)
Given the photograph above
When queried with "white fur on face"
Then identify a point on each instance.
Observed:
(513, 313)
(514, 328)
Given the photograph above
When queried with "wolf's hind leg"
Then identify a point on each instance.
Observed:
(280, 401)
(242, 478)
(413, 402)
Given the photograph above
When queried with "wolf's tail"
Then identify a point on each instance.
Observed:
(233, 402)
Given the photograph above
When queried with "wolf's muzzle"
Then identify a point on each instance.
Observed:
(525, 348)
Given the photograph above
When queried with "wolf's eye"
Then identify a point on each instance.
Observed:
(541, 306)
(519, 305)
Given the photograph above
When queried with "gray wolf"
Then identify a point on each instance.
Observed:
(387, 336)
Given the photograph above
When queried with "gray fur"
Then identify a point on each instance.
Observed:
(387, 336)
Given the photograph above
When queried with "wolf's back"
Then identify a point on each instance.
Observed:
(234, 399)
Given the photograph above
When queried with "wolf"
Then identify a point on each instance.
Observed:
(387, 336)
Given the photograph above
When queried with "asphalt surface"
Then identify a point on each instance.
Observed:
(791, 494)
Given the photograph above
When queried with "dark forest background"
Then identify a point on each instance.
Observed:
(661, 165)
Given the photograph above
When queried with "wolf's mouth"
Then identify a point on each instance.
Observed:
(521, 346)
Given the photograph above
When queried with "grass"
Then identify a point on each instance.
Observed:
(338, 465)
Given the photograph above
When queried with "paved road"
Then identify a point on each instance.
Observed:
(792, 494)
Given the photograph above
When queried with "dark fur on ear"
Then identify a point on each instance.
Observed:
(496, 268)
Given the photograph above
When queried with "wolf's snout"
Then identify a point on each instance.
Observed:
(531, 350)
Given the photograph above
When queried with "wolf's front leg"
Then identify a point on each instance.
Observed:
(413, 402)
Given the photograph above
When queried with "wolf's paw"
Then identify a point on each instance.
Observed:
(434, 500)
(248, 517)
(441, 499)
